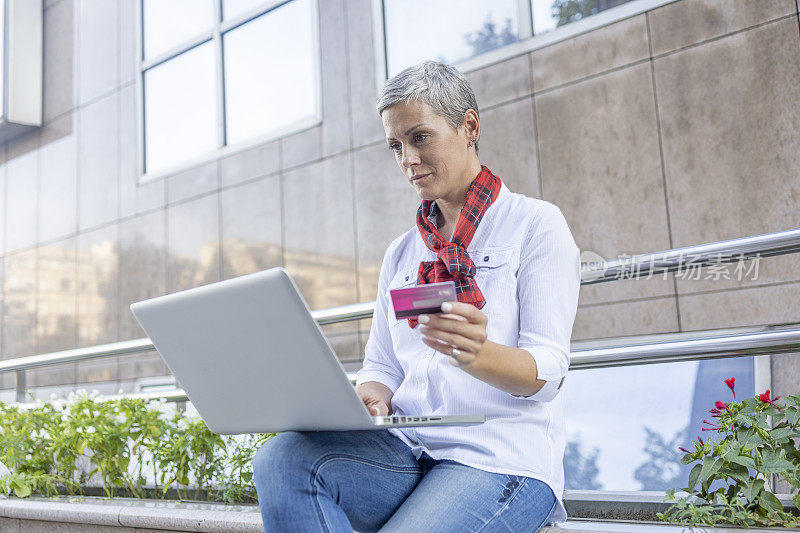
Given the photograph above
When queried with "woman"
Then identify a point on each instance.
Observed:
(502, 350)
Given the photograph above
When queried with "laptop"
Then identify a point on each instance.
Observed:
(252, 359)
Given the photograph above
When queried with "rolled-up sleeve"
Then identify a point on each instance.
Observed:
(548, 285)
(380, 363)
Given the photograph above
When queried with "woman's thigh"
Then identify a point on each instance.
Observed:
(455, 497)
(368, 474)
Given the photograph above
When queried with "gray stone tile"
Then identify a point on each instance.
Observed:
(366, 123)
(143, 266)
(135, 197)
(680, 24)
(729, 112)
(379, 222)
(251, 163)
(56, 294)
(301, 147)
(127, 41)
(22, 201)
(37, 526)
(785, 370)
(335, 132)
(22, 145)
(749, 306)
(58, 188)
(19, 304)
(598, 147)
(98, 48)
(193, 182)
(98, 286)
(251, 227)
(604, 48)
(507, 146)
(343, 338)
(193, 243)
(98, 162)
(9, 525)
(59, 59)
(654, 315)
(501, 82)
(319, 234)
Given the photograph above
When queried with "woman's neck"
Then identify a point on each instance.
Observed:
(451, 205)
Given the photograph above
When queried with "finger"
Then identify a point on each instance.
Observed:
(464, 343)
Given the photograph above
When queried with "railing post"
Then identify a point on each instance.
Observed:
(20, 385)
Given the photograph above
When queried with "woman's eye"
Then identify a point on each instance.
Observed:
(420, 137)
(394, 147)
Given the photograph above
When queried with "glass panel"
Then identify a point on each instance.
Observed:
(447, 30)
(2, 55)
(269, 71)
(550, 14)
(167, 23)
(231, 8)
(625, 424)
(180, 108)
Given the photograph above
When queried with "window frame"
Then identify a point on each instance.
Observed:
(527, 41)
(23, 62)
(215, 35)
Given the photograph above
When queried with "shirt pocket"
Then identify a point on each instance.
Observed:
(494, 277)
(404, 278)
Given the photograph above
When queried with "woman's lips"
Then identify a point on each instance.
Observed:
(415, 178)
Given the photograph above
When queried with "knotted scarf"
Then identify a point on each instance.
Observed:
(453, 262)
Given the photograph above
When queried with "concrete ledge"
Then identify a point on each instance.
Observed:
(132, 513)
(138, 516)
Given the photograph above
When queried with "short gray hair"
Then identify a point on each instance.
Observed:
(440, 86)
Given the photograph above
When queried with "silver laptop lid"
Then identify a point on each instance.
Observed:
(250, 356)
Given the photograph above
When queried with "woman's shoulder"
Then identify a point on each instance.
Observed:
(529, 210)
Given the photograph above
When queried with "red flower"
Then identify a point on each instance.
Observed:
(721, 405)
(730, 383)
(701, 441)
(766, 399)
(684, 450)
(713, 427)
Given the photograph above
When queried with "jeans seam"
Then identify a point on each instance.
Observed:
(503, 508)
(325, 459)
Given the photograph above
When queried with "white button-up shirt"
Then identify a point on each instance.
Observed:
(528, 269)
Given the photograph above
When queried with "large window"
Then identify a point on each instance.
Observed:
(456, 30)
(224, 73)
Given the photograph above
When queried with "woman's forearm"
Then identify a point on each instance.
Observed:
(512, 370)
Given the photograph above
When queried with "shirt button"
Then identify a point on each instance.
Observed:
(486, 258)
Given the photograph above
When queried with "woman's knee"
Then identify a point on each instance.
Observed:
(281, 453)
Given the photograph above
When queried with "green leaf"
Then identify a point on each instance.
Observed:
(753, 489)
(744, 460)
(694, 476)
(709, 469)
(784, 432)
(247, 476)
(792, 414)
(796, 500)
(768, 500)
(739, 473)
(21, 490)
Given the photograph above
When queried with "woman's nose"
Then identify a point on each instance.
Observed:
(410, 157)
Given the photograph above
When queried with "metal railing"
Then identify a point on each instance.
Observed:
(645, 349)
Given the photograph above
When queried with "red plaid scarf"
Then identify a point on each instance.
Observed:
(453, 262)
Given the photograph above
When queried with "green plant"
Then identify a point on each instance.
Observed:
(749, 444)
(125, 444)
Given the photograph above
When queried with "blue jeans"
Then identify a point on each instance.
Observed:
(370, 480)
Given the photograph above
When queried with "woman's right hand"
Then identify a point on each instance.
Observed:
(377, 397)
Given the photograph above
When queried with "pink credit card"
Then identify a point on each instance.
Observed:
(427, 298)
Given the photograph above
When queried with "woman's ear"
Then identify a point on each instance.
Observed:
(472, 124)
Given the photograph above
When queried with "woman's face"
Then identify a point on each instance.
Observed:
(433, 156)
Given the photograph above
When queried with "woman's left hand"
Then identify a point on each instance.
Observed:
(463, 327)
